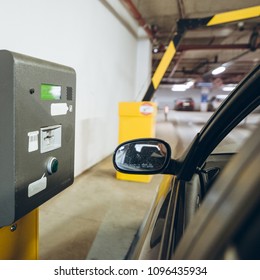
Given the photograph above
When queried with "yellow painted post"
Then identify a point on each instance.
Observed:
(136, 120)
(20, 240)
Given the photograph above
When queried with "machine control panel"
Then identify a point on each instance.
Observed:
(37, 123)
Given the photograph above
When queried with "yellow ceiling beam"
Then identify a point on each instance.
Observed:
(237, 15)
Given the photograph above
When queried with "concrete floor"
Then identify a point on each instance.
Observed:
(98, 216)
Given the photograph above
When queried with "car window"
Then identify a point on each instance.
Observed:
(237, 137)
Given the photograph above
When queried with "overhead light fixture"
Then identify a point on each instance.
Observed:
(189, 84)
(183, 87)
(218, 70)
(180, 87)
(228, 87)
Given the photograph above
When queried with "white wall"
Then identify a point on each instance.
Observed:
(85, 35)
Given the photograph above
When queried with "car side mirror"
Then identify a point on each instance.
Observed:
(142, 156)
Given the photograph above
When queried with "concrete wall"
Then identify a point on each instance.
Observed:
(103, 49)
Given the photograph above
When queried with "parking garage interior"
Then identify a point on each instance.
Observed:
(115, 48)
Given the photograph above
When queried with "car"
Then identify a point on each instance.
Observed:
(215, 101)
(184, 104)
(208, 203)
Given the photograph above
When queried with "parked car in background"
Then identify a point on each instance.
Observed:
(208, 204)
(215, 101)
(184, 104)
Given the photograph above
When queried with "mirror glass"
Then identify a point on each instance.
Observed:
(142, 156)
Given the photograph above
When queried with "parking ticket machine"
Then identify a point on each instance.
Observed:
(37, 123)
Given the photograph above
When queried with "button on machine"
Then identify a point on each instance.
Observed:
(52, 165)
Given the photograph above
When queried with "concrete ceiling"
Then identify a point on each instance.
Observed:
(203, 49)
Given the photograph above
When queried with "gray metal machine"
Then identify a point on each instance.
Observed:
(37, 124)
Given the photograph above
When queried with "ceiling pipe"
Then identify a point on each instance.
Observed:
(181, 8)
(212, 47)
(137, 15)
(215, 47)
(176, 65)
(183, 48)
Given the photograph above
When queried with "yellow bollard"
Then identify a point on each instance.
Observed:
(136, 120)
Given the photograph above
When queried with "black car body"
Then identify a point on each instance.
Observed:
(209, 203)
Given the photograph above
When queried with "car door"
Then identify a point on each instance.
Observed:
(227, 226)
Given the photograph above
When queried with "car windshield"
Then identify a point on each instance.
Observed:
(237, 137)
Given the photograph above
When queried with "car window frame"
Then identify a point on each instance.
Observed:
(240, 102)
